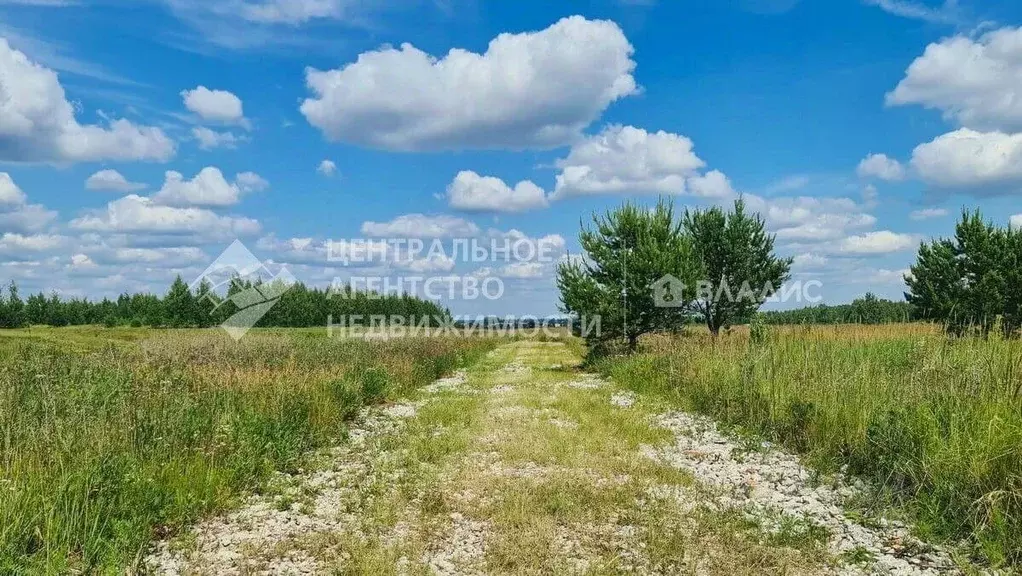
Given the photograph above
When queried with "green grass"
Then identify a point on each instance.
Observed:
(936, 422)
(112, 437)
(590, 478)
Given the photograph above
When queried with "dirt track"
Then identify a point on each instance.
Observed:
(522, 464)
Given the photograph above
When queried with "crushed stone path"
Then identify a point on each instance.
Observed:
(522, 464)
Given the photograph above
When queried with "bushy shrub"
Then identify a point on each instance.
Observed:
(375, 383)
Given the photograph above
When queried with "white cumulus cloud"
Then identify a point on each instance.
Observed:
(976, 82)
(474, 193)
(626, 159)
(809, 261)
(880, 242)
(251, 182)
(16, 214)
(517, 245)
(38, 124)
(215, 105)
(928, 213)
(421, 226)
(135, 213)
(882, 167)
(173, 256)
(885, 276)
(617, 160)
(82, 261)
(969, 159)
(327, 168)
(10, 193)
(523, 270)
(207, 188)
(209, 139)
(112, 181)
(713, 184)
(528, 90)
(428, 263)
(14, 244)
(805, 218)
(870, 195)
(26, 218)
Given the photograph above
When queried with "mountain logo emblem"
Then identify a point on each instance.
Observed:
(242, 274)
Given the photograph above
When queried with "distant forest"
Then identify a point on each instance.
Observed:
(181, 307)
(869, 309)
(301, 306)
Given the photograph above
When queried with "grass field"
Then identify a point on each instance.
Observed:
(937, 422)
(110, 438)
(113, 438)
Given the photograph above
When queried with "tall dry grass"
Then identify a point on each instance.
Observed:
(938, 422)
(109, 441)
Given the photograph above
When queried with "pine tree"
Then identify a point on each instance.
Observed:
(179, 305)
(964, 283)
(12, 309)
(738, 270)
(626, 252)
(206, 301)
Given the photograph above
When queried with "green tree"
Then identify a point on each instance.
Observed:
(737, 267)
(35, 309)
(1012, 281)
(868, 309)
(12, 310)
(206, 301)
(982, 257)
(934, 284)
(964, 283)
(179, 305)
(625, 253)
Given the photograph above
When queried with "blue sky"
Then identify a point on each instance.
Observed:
(139, 138)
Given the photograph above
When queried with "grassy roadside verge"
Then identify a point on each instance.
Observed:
(938, 423)
(104, 446)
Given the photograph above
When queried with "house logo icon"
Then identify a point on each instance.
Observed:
(667, 292)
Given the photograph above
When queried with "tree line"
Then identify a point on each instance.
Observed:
(870, 309)
(295, 305)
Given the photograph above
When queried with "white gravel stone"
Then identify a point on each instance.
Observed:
(623, 399)
(463, 551)
(401, 410)
(515, 367)
(769, 481)
(454, 382)
(587, 382)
